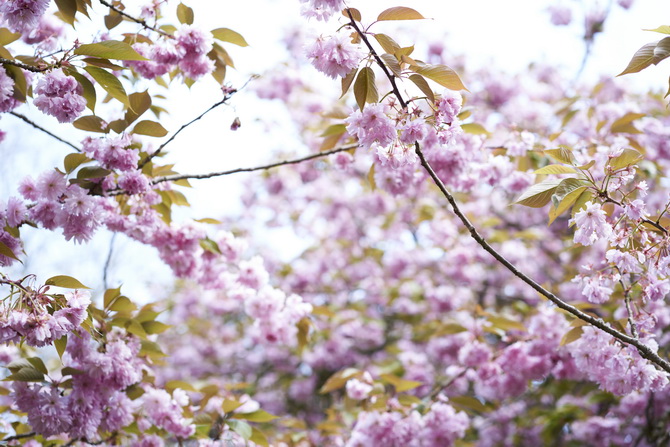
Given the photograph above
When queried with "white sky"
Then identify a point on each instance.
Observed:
(505, 34)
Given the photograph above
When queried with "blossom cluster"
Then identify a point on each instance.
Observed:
(187, 50)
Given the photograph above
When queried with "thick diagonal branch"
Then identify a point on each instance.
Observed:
(644, 350)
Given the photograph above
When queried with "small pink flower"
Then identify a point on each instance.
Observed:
(335, 56)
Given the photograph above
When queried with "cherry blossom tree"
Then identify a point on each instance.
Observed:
(482, 259)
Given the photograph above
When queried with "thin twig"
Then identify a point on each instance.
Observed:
(24, 66)
(134, 19)
(16, 437)
(172, 178)
(37, 126)
(644, 350)
(105, 270)
(162, 146)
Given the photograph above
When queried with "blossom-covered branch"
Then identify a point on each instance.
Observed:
(645, 351)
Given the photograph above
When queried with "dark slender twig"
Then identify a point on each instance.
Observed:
(37, 126)
(134, 19)
(105, 270)
(626, 297)
(16, 437)
(184, 126)
(172, 178)
(24, 66)
(644, 350)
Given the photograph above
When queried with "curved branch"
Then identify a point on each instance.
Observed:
(134, 19)
(644, 350)
(176, 177)
(38, 127)
(226, 97)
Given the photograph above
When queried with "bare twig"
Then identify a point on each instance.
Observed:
(16, 437)
(38, 127)
(134, 19)
(105, 270)
(184, 126)
(172, 178)
(644, 350)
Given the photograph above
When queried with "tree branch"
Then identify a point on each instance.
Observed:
(134, 19)
(24, 66)
(644, 350)
(38, 127)
(172, 178)
(226, 97)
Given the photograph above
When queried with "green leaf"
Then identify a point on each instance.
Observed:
(228, 35)
(155, 327)
(88, 90)
(400, 385)
(258, 437)
(572, 335)
(121, 304)
(365, 88)
(150, 128)
(339, 379)
(109, 82)
(556, 169)
(20, 83)
(388, 44)
(623, 124)
(468, 403)
(231, 405)
(642, 59)
(67, 10)
(566, 195)
(539, 194)
(174, 384)
(113, 19)
(664, 29)
(662, 50)
(66, 282)
(441, 74)
(348, 80)
(92, 172)
(240, 427)
(562, 155)
(350, 13)
(209, 245)
(73, 161)
(60, 345)
(26, 374)
(628, 157)
(91, 123)
(7, 37)
(392, 64)
(668, 92)
(110, 49)
(139, 103)
(505, 324)
(6, 251)
(335, 129)
(185, 14)
(256, 416)
(475, 129)
(420, 82)
(400, 13)
(38, 364)
(584, 197)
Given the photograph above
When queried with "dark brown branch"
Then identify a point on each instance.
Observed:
(16, 437)
(134, 19)
(172, 178)
(37, 126)
(644, 350)
(184, 126)
(24, 66)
